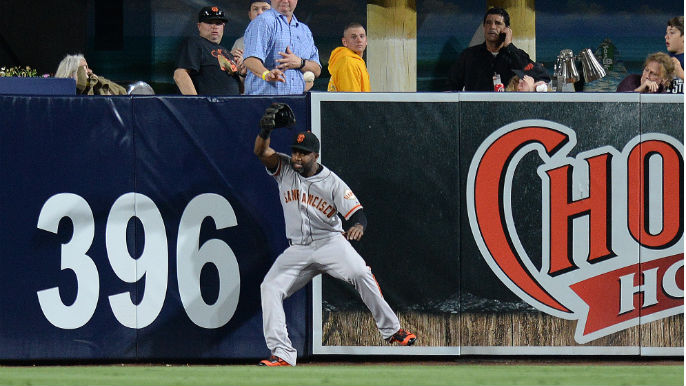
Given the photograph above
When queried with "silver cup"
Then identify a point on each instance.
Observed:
(569, 71)
(565, 69)
(590, 66)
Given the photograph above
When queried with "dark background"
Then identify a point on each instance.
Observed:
(127, 40)
(404, 170)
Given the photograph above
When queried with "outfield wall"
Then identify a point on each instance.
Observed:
(94, 182)
(511, 224)
(140, 227)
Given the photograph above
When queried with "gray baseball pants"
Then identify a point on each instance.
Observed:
(296, 266)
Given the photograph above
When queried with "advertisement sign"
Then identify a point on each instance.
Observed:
(567, 214)
(629, 201)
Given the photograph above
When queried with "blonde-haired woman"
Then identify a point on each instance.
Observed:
(76, 67)
(69, 65)
(658, 72)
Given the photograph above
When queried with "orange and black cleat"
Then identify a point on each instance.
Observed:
(273, 361)
(403, 338)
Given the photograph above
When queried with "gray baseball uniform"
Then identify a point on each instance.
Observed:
(314, 230)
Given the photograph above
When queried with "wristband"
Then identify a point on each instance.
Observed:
(264, 75)
(264, 133)
(302, 64)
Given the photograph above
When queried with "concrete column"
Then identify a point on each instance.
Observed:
(392, 45)
(522, 21)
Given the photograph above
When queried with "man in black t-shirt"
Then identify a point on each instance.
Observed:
(204, 67)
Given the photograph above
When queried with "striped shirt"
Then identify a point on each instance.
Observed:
(266, 36)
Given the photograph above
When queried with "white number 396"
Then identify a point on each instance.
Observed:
(151, 264)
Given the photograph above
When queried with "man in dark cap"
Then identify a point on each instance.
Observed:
(204, 67)
(315, 201)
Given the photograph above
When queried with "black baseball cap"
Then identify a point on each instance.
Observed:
(534, 70)
(211, 13)
(306, 141)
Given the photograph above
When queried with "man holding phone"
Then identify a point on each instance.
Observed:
(476, 66)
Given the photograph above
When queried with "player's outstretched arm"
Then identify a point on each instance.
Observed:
(265, 153)
(262, 150)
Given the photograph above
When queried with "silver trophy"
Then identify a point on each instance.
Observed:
(590, 66)
(566, 73)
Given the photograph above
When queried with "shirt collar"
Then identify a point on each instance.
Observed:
(294, 20)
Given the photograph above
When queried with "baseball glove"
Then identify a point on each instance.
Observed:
(277, 115)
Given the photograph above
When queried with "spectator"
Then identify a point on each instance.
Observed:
(513, 84)
(346, 66)
(204, 67)
(657, 74)
(256, 9)
(476, 65)
(533, 77)
(278, 50)
(87, 83)
(674, 40)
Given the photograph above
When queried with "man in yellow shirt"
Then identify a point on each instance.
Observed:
(346, 66)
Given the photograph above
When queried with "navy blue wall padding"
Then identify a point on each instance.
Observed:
(37, 86)
(170, 149)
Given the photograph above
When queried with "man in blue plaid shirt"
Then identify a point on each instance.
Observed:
(278, 50)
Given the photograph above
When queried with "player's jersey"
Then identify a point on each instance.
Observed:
(310, 205)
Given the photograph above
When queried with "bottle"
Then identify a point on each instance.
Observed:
(560, 83)
(498, 85)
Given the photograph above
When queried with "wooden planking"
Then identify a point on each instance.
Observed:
(487, 329)
(357, 328)
(667, 332)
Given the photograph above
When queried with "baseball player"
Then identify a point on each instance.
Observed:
(312, 196)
